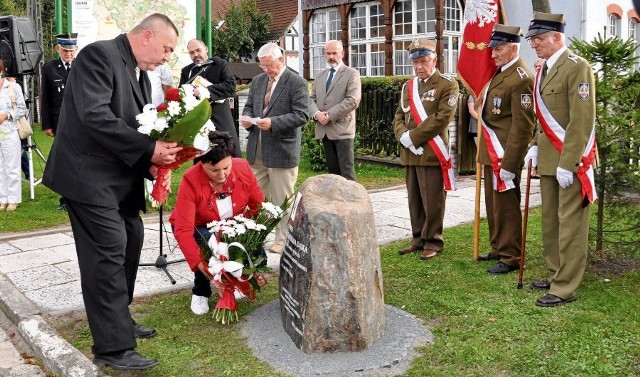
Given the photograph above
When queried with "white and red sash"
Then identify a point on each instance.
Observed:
(496, 152)
(437, 144)
(556, 134)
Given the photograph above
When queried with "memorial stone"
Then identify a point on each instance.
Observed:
(331, 295)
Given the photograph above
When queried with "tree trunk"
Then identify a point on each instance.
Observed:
(541, 6)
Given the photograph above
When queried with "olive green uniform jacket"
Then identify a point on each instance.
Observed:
(440, 98)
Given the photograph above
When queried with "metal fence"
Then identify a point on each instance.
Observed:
(374, 118)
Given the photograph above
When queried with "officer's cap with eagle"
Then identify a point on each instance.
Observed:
(546, 22)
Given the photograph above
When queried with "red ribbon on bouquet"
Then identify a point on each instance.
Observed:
(160, 193)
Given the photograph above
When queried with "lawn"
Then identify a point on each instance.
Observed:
(483, 325)
(41, 212)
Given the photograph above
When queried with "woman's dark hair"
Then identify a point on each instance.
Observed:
(222, 146)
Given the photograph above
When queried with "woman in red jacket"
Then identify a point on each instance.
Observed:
(218, 187)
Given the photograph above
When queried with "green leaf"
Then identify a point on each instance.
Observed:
(188, 127)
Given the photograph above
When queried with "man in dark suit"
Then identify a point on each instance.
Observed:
(426, 108)
(53, 78)
(334, 99)
(507, 127)
(97, 163)
(274, 114)
(223, 86)
(564, 152)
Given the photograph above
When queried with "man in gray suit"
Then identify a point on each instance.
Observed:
(334, 99)
(274, 114)
(97, 163)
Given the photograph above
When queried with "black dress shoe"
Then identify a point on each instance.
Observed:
(126, 360)
(61, 207)
(541, 284)
(549, 300)
(488, 257)
(143, 332)
(409, 250)
(501, 268)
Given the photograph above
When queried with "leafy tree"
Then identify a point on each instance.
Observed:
(245, 26)
(8, 7)
(617, 130)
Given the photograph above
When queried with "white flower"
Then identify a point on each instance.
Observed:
(201, 140)
(204, 92)
(160, 124)
(240, 229)
(273, 210)
(251, 225)
(173, 108)
(188, 90)
(190, 102)
(147, 119)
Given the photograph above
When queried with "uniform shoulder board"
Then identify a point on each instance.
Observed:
(446, 78)
(523, 74)
(574, 58)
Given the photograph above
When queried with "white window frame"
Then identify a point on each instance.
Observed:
(402, 64)
(367, 60)
(328, 21)
(614, 25)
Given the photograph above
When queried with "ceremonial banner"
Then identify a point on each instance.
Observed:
(475, 65)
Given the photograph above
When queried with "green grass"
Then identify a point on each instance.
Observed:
(483, 325)
(41, 212)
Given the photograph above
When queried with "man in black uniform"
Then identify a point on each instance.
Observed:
(223, 85)
(52, 81)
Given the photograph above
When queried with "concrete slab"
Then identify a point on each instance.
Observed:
(389, 356)
(29, 259)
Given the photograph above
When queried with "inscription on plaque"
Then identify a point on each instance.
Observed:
(331, 296)
(295, 267)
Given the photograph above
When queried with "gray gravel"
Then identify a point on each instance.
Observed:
(389, 356)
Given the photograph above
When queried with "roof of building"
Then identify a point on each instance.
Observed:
(281, 16)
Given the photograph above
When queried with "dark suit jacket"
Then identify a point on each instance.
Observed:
(223, 86)
(288, 109)
(98, 156)
(53, 78)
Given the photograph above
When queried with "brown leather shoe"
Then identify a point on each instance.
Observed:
(428, 253)
(409, 250)
(541, 284)
(550, 300)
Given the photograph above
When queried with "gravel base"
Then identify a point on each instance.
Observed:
(389, 356)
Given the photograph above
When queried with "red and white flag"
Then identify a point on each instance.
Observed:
(475, 65)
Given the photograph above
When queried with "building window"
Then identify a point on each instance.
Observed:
(366, 49)
(614, 25)
(635, 35)
(633, 29)
(416, 19)
(291, 39)
(325, 26)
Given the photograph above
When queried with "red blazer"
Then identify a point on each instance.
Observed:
(192, 204)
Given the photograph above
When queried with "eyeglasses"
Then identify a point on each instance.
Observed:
(537, 39)
(270, 65)
(421, 63)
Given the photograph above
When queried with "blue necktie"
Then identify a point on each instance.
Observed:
(330, 79)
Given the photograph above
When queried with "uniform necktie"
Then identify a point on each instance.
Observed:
(67, 66)
(267, 95)
(332, 71)
(545, 67)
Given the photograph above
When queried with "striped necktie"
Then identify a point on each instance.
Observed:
(267, 95)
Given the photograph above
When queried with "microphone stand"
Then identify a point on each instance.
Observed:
(161, 261)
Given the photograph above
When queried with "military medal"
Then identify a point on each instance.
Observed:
(429, 95)
(496, 105)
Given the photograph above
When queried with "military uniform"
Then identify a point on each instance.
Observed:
(439, 96)
(565, 235)
(52, 82)
(568, 91)
(508, 111)
(53, 78)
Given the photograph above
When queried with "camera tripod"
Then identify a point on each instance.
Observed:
(161, 262)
